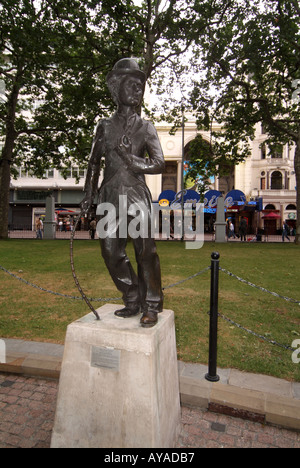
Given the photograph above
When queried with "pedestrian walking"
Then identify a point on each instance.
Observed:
(285, 232)
(231, 232)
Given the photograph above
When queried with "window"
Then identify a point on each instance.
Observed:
(277, 152)
(169, 177)
(49, 174)
(291, 207)
(276, 180)
(263, 151)
(66, 173)
(76, 172)
(263, 183)
(73, 173)
(31, 195)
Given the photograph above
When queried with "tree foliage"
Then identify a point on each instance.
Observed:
(250, 69)
(54, 57)
(243, 56)
(54, 61)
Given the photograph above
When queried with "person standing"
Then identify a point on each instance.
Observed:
(39, 229)
(243, 229)
(93, 226)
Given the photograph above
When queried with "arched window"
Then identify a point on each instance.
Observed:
(276, 180)
(270, 207)
(291, 207)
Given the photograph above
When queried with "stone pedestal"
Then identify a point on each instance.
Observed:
(119, 384)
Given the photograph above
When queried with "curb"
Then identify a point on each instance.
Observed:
(34, 359)
(33, 366)
(263, 399)
(259, 398)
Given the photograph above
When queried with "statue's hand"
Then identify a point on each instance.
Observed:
(124, 148)
(126, 143)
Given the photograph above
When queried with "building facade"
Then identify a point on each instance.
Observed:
(267, 176)
(28, 197)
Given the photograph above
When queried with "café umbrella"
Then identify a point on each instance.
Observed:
(272, 216)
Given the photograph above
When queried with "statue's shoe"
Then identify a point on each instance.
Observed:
(149, 319)
(128, 312)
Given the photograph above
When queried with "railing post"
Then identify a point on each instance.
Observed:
(213, 322)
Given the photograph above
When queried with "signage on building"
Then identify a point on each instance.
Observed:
(164, 202)
(234, 200)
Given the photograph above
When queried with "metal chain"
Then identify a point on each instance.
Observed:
(273, 342)
(101, 299)
(187, 279)
(76, 298)
(259, 287)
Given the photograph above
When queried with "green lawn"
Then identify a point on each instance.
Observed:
(35, 315)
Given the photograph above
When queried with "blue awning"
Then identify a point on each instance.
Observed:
(211, 197)
(192, 196)
(235, 197)
(169, 195)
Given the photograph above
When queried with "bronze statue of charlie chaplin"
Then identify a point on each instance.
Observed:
(131, 149)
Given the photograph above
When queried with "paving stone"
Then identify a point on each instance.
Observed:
(27, 404)
(28, 423)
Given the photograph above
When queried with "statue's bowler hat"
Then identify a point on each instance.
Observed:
(127, 66)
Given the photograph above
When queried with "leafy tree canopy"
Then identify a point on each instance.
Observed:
(54, 57)
(249, 72)
(250, 66)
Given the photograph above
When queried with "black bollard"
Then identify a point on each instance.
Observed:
(213, 322)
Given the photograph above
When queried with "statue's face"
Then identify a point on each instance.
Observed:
(131, 91)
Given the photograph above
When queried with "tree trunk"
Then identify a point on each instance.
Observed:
(4, 198)
(6, 160)
(5, 163)
(297, 171)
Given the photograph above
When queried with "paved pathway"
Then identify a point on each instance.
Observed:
(84, 235)
(27, 410)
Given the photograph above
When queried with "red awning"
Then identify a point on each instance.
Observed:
(272, 216)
